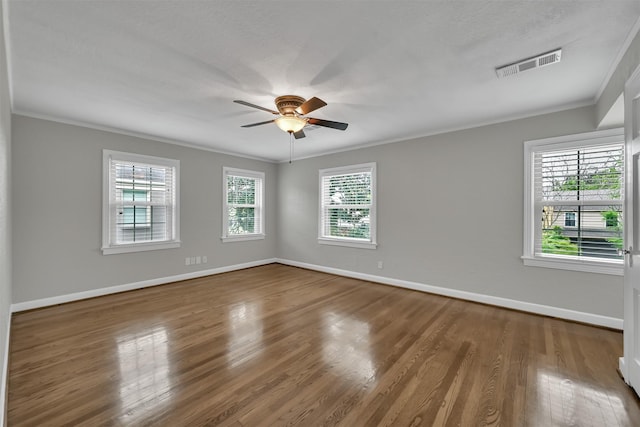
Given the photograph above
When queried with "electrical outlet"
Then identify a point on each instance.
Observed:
(198, 260)
(380, 265)
(204, 259)
(187, 261)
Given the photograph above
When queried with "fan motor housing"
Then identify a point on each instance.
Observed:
(287, 104)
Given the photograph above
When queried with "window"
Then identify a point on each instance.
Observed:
(574, 202)
(140, 203)
(611, 218)
(569, 219)
(348, 206)
(243, 213)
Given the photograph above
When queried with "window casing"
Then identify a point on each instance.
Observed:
(348, 206)
(243, 205)
(140, 203)
(574, 198)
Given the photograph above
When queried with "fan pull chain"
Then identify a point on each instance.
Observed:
(290, 147)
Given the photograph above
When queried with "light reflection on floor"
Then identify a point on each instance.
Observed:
(558, 396)
(245, 333)
(145, 383)
(346, 346)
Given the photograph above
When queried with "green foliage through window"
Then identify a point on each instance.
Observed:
(553, 242)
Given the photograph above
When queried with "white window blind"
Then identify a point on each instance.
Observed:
(243, 204)
(347, 205)
(576, 191)
(141, 208)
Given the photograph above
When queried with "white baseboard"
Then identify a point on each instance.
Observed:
(622, 367)
(562, 313)
(5, 372)
(44, 302)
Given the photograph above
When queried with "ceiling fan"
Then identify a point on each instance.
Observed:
(292, 110)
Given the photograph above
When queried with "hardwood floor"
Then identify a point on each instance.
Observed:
(278, 345)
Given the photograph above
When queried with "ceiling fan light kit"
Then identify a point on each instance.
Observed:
(291, 112)
(290, 124)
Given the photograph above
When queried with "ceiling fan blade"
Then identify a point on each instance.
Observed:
(258, 124)
(248, 104)
(299, 134)
(327, 123)
(311, 105)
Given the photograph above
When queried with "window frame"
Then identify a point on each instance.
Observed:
(532, 217)
(323, 239)
(109, 247)
(244, 173)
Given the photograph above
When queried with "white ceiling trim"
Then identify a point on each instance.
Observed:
(138, 135)
(267, 160)
(7, 48)
(452, 129)
(623, 49)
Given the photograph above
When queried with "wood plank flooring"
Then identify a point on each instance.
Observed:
(277, 345)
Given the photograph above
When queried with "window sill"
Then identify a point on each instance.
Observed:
(602, 267)
(139, 247)
(347, 242)
(241, 238)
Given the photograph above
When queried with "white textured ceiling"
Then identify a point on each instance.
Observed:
(391, 69)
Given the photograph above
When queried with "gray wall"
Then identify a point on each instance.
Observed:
(450, 214)
(5, 203)
(463, 229)
(57, 206)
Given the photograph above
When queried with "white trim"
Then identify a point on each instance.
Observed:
(545, 310)
(228, 170)
(410, 137)
(44, 302)
(348, 169)
(5, 372)
(8, 56)
(622, 367)
(442, 131)
(628, 367)
(562, 313)
(140, 247)
(600, 267)
(134, 134)
(350, 243)
(614, 65)
(605, 136)
(242, 237)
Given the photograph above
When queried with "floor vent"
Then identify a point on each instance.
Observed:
(530, 63)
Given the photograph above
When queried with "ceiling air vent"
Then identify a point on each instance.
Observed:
(530, 63)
